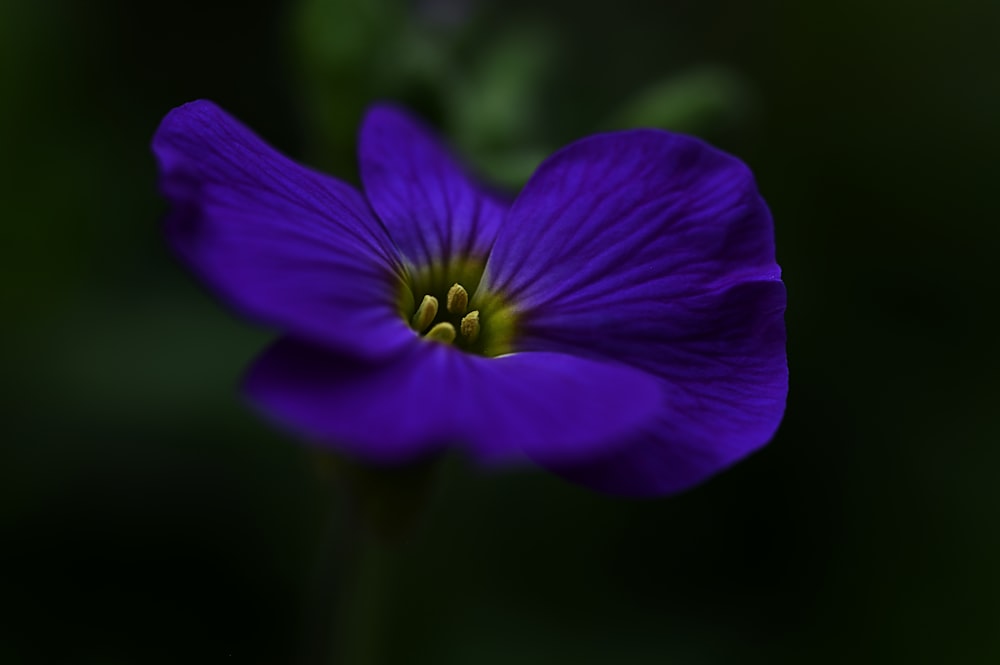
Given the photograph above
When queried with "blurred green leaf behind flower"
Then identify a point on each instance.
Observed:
(700, 101)
(484, 88)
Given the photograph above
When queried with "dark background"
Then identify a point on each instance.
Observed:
(148, 517)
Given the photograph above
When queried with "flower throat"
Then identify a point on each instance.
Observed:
(443, 303)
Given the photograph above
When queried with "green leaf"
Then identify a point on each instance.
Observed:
(699, 101)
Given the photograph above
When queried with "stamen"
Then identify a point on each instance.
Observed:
(470, 326)
(458, 299)
(425, 313)
(442, 332)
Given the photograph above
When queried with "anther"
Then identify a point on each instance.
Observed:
(458, 299)
(470, 326)
(425, 313)
(442, 332)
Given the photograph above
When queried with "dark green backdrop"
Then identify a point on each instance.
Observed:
(148, 517)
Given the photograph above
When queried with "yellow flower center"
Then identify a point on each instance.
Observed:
(444, 303)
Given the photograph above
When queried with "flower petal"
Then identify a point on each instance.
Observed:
(725, 380)
(642, 213)
(288, 246)
(433, 209)
(553, 408)
(655, 250)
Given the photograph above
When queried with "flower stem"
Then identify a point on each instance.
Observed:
(376, 512)
(364, 603)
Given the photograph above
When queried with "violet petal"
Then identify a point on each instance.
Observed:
(549, 407)
(724, 388)
(433, 209)
(655, 250)
(285, 245)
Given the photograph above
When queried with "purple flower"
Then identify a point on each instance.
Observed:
(620, 323)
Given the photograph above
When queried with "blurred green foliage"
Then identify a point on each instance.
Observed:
(697, 101)
(149, 517)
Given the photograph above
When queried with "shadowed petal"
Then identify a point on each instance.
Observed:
(724, 382)
(433, 209)
(288, 246)
(655, 250)
(550, 407)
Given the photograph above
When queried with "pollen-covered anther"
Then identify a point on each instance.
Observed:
(470, 326)
(442, 332)
(458, 299)
(425, 313)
